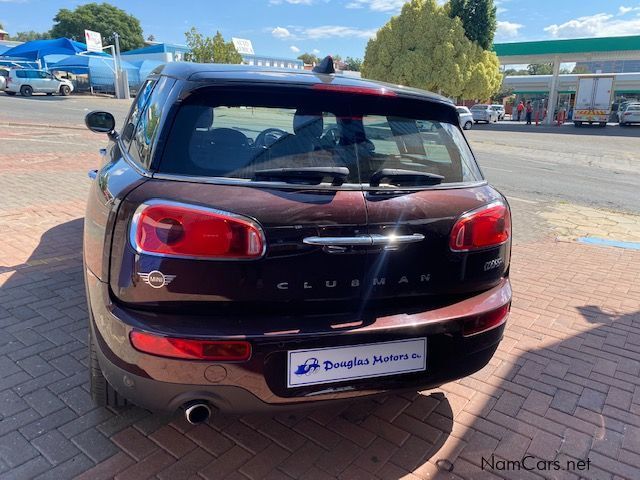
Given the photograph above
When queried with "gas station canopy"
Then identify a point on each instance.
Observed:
(573, 50)
(566, 51)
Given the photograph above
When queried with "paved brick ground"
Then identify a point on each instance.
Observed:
(563, 386)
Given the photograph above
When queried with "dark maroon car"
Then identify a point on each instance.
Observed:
(261, 238)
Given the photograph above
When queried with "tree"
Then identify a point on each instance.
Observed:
(30, 35)
(423, 47)
(478, 18)
(540, 69)
(578, 69)
(99, 17)
(353, 64)
(308, 59)
(210, 49)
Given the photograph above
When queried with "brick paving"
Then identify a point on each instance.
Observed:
(563, 386)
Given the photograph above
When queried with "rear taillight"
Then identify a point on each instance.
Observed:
(189, 231)
(212, 350)
(485, 227)
(485, 321)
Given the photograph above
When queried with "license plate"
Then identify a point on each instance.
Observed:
(341, 364)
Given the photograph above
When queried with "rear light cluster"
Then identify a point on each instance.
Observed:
(189, 349)
(189, 231)
(485, 321)
(485, 227)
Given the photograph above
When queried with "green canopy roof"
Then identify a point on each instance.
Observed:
(575, 45)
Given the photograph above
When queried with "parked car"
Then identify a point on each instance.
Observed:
(258, 239)
(631, 114)
(4, 73)
(466, 118)
(484, 113)
(500, 109)
(28, 81)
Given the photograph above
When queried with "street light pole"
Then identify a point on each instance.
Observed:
(122, 90)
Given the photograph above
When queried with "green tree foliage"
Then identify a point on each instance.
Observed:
(423, 47)
(308, 58)
(578, 69)
(353, 64)
(540, 69)
(30, 35)
(210, 49)
(478, 18)
(99, 17)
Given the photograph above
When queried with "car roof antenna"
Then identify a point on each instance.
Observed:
(325, 66)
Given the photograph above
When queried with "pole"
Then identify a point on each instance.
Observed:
(553, 90)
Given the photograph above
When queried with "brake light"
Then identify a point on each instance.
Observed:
(213, 350)
(382, 91)
(485, 321)
(485, 227)
(189, 231)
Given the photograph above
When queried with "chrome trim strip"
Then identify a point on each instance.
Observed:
(158, 201)
(345, 186)
(366, 240)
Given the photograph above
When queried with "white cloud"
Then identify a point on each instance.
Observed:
(315, 51)
(598, 25)
(336, 31)
(508, 29)
(280, 32)
(624, 10)
(294, 49)
(378, 5)
(501, 10)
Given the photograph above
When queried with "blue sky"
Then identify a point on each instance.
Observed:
(286, 27)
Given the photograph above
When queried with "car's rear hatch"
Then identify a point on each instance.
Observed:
(332, 242)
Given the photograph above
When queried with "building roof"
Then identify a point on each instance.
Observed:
(158, 48)
(570, 50)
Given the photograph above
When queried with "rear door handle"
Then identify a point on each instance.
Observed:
(364, 240)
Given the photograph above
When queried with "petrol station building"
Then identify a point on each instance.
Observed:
(559, 90)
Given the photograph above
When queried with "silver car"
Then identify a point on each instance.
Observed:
(27, 81)
(484, 113)
(500, 109)
(466, 118)
(631, 114)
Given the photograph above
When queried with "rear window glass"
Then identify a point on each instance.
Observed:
(236, 134)
(479, 107)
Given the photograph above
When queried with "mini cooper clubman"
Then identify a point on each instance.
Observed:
(258, 239)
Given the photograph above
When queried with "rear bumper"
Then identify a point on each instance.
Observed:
(164, 384)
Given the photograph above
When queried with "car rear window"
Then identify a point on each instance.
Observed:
(235, 133)
(479, 107)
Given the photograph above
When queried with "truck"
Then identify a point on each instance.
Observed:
(593, 100)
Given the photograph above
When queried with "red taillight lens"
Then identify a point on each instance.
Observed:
(485, 227)
(214, 350)
(485, 321)
(172, 229)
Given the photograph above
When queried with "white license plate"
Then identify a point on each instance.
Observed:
(340, 364)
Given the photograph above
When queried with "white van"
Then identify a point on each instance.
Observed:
(28, 81)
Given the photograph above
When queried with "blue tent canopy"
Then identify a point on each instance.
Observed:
(145, 67)
(37, 49)
(99, 68)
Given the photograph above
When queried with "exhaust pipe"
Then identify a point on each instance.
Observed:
(197, 412)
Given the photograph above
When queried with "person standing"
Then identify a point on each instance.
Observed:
(529, 112)
(519, 109)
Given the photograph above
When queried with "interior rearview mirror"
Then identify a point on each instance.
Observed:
(100, 122)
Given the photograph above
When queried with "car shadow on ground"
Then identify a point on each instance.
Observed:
(43, 338)
(42, 97)
(611, 130)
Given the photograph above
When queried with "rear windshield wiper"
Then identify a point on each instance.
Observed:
(305, 175)
(404, 178)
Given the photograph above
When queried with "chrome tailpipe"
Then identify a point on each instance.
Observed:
(197, 412)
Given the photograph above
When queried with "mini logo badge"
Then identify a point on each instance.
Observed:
(309, 367)
(156, 279)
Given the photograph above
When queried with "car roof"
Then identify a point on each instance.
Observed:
(204, 72)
